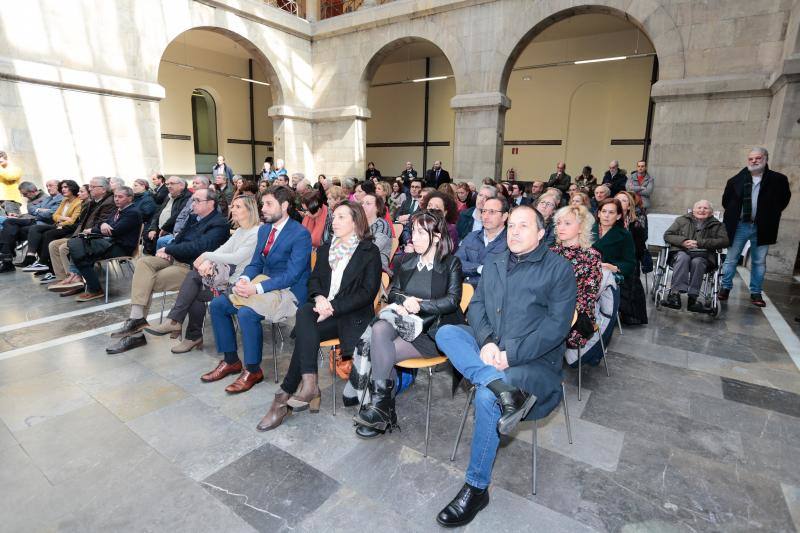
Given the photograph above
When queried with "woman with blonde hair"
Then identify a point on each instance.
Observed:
(581, 198)
(213, 271)
(574, 243)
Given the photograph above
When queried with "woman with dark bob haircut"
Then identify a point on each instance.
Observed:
(341, 292)
(427, 284)
(64, 219)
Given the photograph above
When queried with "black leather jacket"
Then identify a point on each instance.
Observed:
(442, 307)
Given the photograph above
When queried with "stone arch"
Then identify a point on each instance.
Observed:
(646, 15)
(385, 48)
(259, 57)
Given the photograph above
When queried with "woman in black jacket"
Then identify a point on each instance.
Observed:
(427, 284)
(341, 292)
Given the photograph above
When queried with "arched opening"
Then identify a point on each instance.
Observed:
(580, 85)
(218, 89)
(204, 128)
(410, 84)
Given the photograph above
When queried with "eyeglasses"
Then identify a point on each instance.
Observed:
(172, 183)
(198, 200)
(547, 204)
(491, 211)
(96, 187)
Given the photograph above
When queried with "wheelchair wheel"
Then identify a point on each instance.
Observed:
(714, 308)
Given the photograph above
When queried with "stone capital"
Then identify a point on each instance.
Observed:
(290, 111)
(789, 73)
(473, 101)
(728, 86)
(325, 114)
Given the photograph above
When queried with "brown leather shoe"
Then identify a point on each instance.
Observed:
(89, 296)
(223, 369)
(278, 411)
(245, 382)
(309, 395)
(71, 292)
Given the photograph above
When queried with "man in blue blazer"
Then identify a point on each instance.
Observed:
(270, 288)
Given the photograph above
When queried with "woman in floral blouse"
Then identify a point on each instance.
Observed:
(574, 242)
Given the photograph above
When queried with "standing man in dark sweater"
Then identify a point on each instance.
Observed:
(560, 179)
(753, 200)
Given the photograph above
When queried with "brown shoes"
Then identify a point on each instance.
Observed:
(170, 326)
(245, 382)
(278, 411)
(309, 395)
(89, 296)
(223, 369)
(186, 345)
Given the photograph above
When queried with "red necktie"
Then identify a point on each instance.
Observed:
(270, 241)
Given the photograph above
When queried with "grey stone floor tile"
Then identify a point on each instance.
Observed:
(746, 419)
(32, 401)
(23, 484)
(792, 495)
(772, 457)
(271, 489)
(349, 511)
(195, 436)
(7, 439)
(765, 397)
(73, 443)
(24, 368)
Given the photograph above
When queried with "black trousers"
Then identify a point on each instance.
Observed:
(86, 267)
(35, 234)
(191, 301)
(14, 230)
(48, 237)
(308, 334)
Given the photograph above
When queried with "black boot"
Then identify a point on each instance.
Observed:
(514, 405)
(378, 415)
(467, 503)
(27, 261)
(694, 306)
(673, 301)
(7, 266)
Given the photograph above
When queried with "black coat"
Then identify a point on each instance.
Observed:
(431, 181)
(126, 226)
(198, 237)
(95, 213)
(353, 304)
(160, 195)
(405, 208)
(618, 183)
(443, 305)
(177, 206)
(773, 197)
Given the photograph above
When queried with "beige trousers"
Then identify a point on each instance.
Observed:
(154, 274)
(59, 255)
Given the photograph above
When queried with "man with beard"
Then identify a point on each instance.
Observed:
(753, 200)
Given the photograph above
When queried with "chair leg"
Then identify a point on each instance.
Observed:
(566, 413)
(428, 410)
(605, 362)
(163, 305)
(580, 371)
(333, 379)
(533, 460)
(107, 263)
(274, 354)
(619, 323)
(470, 395)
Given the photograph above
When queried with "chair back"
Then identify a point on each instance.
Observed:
(398, 229)
(313, 259)
(467, 291)
(574, 317)
(395, 245)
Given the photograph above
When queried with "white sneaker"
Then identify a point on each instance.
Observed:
(36, 267)
(47, 278)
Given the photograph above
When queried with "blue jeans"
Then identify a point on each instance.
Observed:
(222, 311)
(163, 241)
(746, 231)
(459, 345)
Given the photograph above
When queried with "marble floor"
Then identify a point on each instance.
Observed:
(696, 429)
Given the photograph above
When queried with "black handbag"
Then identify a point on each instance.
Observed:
(86, 248)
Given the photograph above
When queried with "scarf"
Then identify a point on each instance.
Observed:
(342, 249)
(747, 198)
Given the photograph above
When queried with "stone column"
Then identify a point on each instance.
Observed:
(340, 140)
(312, 10)
(783, 142)
(292, 137)
(479, 129)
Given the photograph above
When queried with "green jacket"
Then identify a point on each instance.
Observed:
(616, 247)
(712, 237)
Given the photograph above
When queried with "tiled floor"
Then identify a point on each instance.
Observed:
(696, 429)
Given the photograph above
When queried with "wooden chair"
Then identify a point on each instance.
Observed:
(117, 261)
(398, 229)
(429, 363)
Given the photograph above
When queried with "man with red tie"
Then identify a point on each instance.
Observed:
(270, 288)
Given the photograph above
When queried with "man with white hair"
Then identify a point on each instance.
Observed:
(614, 178)
(278, 171)
(692, 240)
(753, 200)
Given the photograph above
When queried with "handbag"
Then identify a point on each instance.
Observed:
(85, 248)
(584, 326)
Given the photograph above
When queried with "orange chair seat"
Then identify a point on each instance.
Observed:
(422, 362)
(329, 344)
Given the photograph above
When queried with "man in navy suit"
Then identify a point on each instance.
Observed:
(283, 257)
(122, 229)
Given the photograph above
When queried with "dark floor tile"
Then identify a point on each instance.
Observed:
(759, 396)
(271, 489)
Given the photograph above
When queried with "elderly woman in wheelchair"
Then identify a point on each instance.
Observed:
(694, 241)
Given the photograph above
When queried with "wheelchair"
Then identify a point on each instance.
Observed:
(709, 290)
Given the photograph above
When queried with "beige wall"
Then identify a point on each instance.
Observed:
(584, 106)
(398, 115)
(233, 108)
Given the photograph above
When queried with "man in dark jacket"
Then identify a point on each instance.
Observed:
(436, 175)
(164, 219)
(512, 349)
(615, 178)
(474, 249)
(207, 230)
(693, 240)
(753, 201)
(560, 179)
(120, 231)
(160, 191)
(470, 219)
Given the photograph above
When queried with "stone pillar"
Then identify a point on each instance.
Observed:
(340, 140)
(783, 142)
(312, 10)
(292, 137)
(479, 129)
